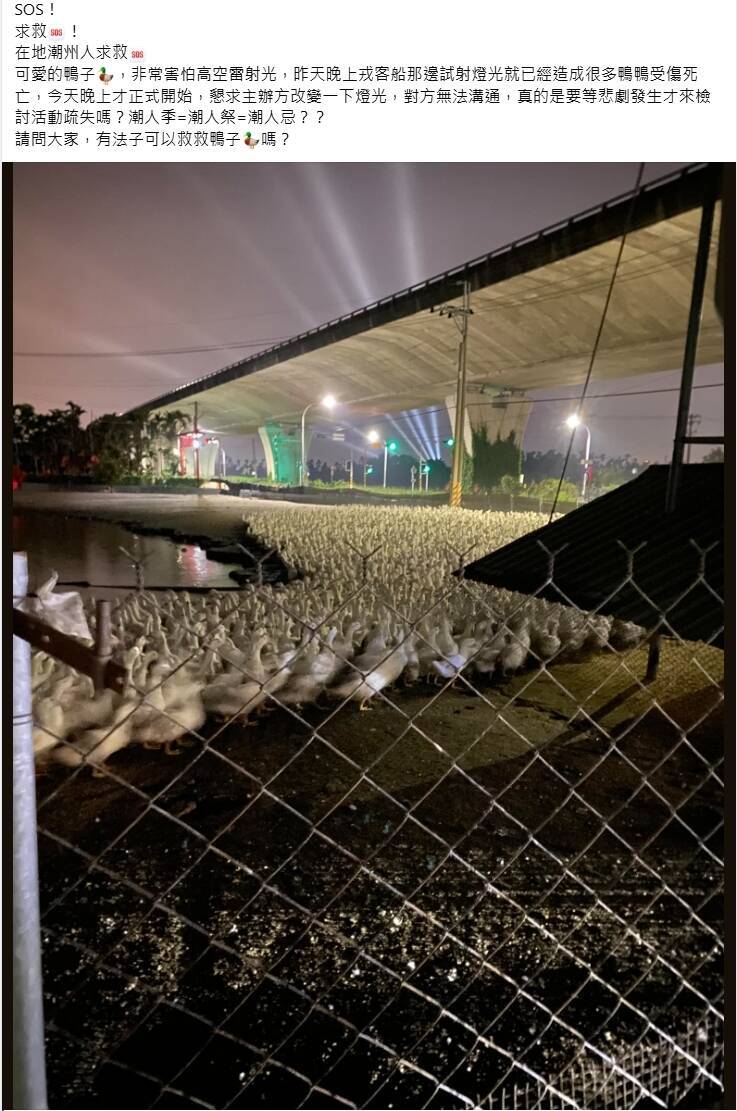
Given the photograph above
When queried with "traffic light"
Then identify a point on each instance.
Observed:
(392, 446)
(369, 470)
(450, 441)
(426, 469)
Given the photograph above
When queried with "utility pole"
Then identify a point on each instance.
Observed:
(454, 312)
(689, 355)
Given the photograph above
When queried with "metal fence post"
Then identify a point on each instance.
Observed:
(29, 1070)
(103, 645)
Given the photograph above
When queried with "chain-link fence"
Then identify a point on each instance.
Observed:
(498, 887)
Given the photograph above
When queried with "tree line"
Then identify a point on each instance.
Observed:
(114, 448)
(110, 449)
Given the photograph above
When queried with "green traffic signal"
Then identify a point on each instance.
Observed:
(392, 445)
(450, 441)
(369, 470)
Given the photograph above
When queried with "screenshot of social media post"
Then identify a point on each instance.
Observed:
(370, 440)
(91, 81)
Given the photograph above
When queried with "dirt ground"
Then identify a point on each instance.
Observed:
(329, 907)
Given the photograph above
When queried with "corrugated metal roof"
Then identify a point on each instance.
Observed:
(623, 555)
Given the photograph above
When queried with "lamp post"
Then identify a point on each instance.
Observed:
(389, 446)
(374, 438)
(574, 422)
(329, 402)
(196, 443)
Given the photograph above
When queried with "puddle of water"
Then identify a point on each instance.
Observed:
(89, 551)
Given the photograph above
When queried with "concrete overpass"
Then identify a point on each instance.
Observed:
(537, 305)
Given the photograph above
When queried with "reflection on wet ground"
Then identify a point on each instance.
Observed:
(89, 551)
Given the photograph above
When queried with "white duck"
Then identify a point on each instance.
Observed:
(370, 673)
(451, 667)
(310, 677)
(184, 713)
(513, 654)
(411, 671)
(625, 634)
(94, 746)
(280, 665)
(49, 727)
(597, 630)
(345, 646)
(546, 642)
(486, 660)
(444, 638)
(235, 702)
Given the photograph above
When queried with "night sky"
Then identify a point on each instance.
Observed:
(126, 262)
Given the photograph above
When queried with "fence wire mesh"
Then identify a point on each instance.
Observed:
(500, 887)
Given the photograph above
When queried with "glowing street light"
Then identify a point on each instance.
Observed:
(328, 402)
(392, 446)
(573, 422)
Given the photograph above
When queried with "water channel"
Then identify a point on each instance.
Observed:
(84, 551)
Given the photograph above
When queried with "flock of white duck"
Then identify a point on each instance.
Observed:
(376, 603)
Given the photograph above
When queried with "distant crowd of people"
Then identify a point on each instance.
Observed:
(317, 469)
(249, 468)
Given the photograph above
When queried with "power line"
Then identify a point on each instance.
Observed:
(350, 304)
(544, 401)
(359, 421)
(472, 404)
(640, 416)
(599, 331)
(239, 344)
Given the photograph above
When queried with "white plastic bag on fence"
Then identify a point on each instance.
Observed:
(64, 612)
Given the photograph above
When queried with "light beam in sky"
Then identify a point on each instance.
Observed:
(333, 220)
(406, 191)
(232, 226)
(294, 202)
(438, 454)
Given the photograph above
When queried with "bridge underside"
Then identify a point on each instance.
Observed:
(536, 306)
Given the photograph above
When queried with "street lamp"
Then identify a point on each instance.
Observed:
(373, 438)
(389, 446)
(574, 422)
(329, 402)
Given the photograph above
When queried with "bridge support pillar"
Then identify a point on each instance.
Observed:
(282, 448)
(502, 413)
